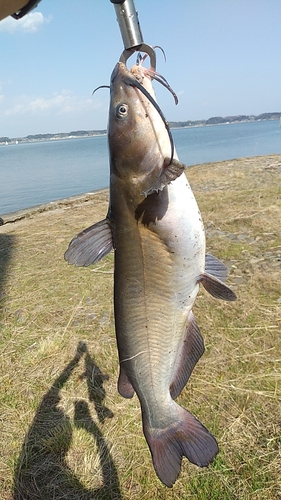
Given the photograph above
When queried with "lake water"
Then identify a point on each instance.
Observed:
(40, 172)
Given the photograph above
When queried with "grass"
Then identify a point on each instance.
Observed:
(65, 431)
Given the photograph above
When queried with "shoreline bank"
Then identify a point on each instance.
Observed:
(46, 207)
(84, 197)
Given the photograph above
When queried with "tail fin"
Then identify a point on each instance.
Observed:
(185, 437)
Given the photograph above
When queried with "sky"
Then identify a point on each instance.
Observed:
(222, 59)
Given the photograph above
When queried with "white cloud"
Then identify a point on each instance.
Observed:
(57, 112)
(58, 104)
(27, 24)
(204, 104)
(1, 95)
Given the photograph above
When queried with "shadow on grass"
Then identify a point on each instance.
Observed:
(6, 249)
(42, 472)
(96, 392)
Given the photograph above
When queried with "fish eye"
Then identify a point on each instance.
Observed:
(121, 110)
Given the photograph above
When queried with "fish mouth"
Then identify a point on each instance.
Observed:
(122, 72)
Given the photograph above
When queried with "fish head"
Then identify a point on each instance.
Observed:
(137, 138)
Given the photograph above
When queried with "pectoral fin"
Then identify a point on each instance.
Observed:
(216, 288)
(191, 351)
(91, 245)
(168, 173)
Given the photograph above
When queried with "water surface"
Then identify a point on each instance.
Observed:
(40, 172)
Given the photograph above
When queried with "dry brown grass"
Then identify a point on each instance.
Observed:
(65, 431)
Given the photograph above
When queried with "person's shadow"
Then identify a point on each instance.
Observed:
(6, 249)
(96, 392)
(42, 472)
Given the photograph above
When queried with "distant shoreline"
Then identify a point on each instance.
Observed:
(51, 137)
(78, 134)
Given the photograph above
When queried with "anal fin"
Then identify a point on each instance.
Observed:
(191, 351)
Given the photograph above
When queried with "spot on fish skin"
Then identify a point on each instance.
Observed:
(181, 436)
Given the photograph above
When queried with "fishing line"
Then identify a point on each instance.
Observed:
(134, 83)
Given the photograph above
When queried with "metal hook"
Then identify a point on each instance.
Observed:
(129, 25)
(140, 48)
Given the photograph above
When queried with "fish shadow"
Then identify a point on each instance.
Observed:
(6, 250)
(42, 471)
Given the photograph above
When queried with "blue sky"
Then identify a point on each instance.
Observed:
(223, 58)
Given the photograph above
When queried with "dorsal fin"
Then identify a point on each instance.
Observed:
(125, 387)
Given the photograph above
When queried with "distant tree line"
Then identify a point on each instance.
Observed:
(215, 120)
(47, 137)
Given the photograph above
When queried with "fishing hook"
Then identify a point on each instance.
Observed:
(149, 51)
(141, 58)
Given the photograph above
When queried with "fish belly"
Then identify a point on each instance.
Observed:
(155, 285)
